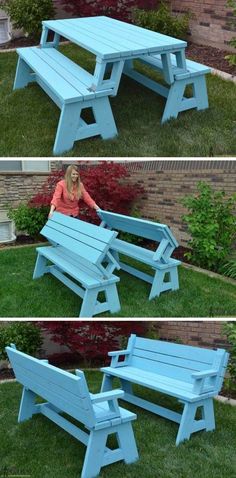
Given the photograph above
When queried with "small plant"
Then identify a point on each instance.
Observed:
(229, 329)
(25, 335)
(28, 14)
(162, 21)
(229, 268)
(211, 224)
(232, 57)
(29, 219)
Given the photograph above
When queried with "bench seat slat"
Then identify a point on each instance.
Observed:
(57, 84)
(71, 265)
(140, 253)
(154, 381)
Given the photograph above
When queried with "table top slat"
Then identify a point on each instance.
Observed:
(112, 39)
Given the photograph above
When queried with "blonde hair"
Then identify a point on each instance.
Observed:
(69, 183)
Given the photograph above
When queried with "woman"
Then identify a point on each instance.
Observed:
(68, 192)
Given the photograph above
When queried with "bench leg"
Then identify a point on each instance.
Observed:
(94, 453)
(104, 118)
(67, 128)
(126, 441)
(27, 405)
(174, 278)
(89, 302)
(106, 383)
(200, 92)
(40, 267)
(157, 284)
(189, 424)
(112, 298)
(23, 75)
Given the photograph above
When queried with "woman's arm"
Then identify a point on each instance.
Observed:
(56, 196)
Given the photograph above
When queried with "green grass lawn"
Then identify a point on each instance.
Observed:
(20, 296)
(41, 449)
(29, 120)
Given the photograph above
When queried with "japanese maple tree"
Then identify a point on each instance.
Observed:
(91, 341)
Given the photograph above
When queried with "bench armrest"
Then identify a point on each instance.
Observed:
(118, 352)
(111, 397)
(106, 396)
(199, 381)
(206, 373)
(115, 358)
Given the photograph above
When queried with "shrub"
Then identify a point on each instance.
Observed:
(28, 14)
(229, 329)
(211, 224)
(29, 219)
(25, 335)
(120, 9)
(162, 21)
(232, 57)
(91, 341)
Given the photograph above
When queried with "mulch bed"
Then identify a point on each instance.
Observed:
(207, 55)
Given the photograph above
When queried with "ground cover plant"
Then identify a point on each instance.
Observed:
(20, 296)
(35, 446)
(137, 113)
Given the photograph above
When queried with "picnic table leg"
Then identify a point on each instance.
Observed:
(67, 127)
(104, 118)
(200, 92)
(175, 96)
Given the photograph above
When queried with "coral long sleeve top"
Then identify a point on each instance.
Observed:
(70, 205)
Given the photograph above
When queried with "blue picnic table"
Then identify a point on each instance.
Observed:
(115, 45)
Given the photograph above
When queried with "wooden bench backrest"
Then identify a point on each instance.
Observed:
(142, 228)
(62, 389)
(90, 242)
(176, 360)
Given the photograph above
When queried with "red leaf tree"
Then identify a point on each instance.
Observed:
(120, 9)
(91, 341)
(107, 183)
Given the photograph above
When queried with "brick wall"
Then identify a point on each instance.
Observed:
(19, 186)
(199, 333)
(166, 182)
(211, 22)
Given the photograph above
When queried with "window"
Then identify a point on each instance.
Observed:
(25, 166)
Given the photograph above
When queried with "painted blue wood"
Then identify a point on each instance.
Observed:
(165, 267)
(69, 393)
(178, 73)
(81, 251)
(71, 88)
(192, 375)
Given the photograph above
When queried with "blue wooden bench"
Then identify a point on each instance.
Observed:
(80, 250)
(68, 393)
(193, 375)
(71, 88)
(177, 77)
(164, 266)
